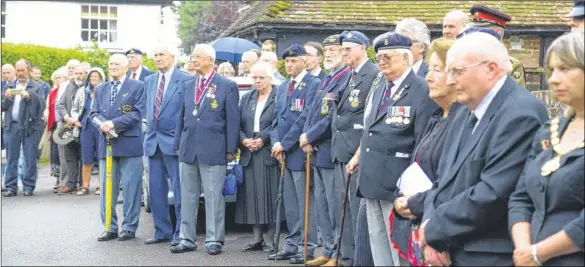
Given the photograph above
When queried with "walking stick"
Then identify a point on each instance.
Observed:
(108, 185)
(279, 207)
(307, 184)
(345, 199)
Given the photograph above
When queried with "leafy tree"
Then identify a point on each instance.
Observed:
(190, 13)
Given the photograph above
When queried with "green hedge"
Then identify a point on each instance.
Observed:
(50, 59)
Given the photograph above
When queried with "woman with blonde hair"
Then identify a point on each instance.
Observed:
(57, 78)
(546, 210)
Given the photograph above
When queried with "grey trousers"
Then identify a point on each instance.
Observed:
(70, 158)
(294, 209)
(378, 212)
(351, 213)
(327, 208)
(363, 252)
(210, 178)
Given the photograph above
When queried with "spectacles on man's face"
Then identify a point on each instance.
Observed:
(261, 78)
(456, 72)
(384, 57)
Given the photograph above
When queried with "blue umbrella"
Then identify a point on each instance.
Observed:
(231, 49)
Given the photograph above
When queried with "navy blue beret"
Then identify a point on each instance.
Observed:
(354, 37)
(332, 40)
(392, 40)
(134, 51)
(489, 31)
(294, 50)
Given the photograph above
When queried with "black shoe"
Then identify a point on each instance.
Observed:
(281, 255)
(9, 194)
(300, 259)
(175, 242)
(28, 194)
(214, 250)
(3, 189)
(155, 241)
(254, 246)
(126, 235)
(106, 236)
(180, 248)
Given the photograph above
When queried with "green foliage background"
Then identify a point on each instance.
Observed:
(50, 59)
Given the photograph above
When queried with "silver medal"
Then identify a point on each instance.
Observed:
(389, 120)
(194, 112)
(406, 121)
(399, 120)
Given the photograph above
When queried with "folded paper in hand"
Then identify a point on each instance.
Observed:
(414, 180)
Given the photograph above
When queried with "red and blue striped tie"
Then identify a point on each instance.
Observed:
(159, 96)
(386, 98)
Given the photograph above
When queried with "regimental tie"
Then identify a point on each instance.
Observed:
(114, 92)
(133, 75)
(159, 96)
(291, 87)
(386, 97)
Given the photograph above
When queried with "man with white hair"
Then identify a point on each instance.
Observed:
(420, 36)
(249, 58)
(272, 59)
(164, 97)
(118, 106)
(206, 139)
(454, 23)
(465, 218)
(395, 119)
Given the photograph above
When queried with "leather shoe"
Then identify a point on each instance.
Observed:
(175, 242)
(318, 261)
(253, 246)
(3, 189)
(65, 190)
(155, 241)
(214, 250)
(9, 194)
(180, 248)
(106, 236)
(300, 259)
(281, 255)
(28, 194)
(126, 235)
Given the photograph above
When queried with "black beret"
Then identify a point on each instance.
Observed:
(332, 40)
(134, 51)
(354, 37)
(392, 40)
(479, 29)
(294, 50)
(484, 16)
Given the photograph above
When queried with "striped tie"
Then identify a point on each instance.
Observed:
(386, 97)
(159, 96)
(114, 92)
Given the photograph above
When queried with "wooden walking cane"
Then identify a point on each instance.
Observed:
(307, 184)
(109, 185)
(345, 200)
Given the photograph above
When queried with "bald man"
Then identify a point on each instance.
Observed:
(453, 23)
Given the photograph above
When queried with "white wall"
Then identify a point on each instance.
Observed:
(58, 24)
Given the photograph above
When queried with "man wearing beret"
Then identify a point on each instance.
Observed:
(316, 138)
(293, 96)
(397, 113)
(487, 17)
(577, 16)
(136, 71)
(346, 128)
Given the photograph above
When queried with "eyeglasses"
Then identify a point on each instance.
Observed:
(458, 71)
(258, 77)
(384, 57)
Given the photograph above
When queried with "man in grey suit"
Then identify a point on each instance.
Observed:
(465, 217)
(71, 156)
(346, 128)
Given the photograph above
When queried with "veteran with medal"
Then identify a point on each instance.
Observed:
(316, 138)
(399, 111)
(346, 129)
(292, 97)
(546, 210)
(119, 106)
(206, 139)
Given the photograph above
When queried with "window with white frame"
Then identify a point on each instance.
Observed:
(3, 19)
(99, 23)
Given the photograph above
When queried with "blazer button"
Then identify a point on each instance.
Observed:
(337, 131)
(541, 188)
(338, 116)
(367, 150)
(197, 119)
(370, 134)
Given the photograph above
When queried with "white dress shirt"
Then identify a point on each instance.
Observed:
(416, 65)
(258, 114)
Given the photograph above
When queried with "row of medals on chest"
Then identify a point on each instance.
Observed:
(554, 164)
(211, 95)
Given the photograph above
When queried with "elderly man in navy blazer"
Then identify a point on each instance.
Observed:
(316, 138)
(294, 96)
(465, 220)
(136, 70)
(118, 106)
(206, 139)
(164, 97)
(397, 112)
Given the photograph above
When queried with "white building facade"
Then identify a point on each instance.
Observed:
(115, 25)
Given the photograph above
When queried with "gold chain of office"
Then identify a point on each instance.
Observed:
(554, 164)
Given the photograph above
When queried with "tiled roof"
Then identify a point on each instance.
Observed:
(529, 13)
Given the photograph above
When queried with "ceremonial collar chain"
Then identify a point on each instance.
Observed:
(554, 164)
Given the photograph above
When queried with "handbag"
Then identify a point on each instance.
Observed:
(230, 186)
(238, 171)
